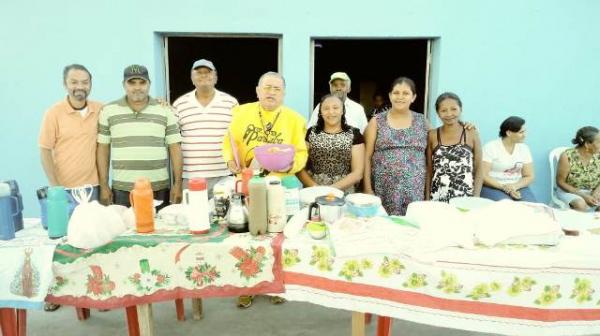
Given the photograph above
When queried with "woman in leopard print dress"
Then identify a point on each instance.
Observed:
(335, 150)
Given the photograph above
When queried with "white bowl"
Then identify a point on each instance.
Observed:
(308, 195)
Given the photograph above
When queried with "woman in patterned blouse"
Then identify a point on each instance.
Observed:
(335, 150)
(578, 176)
(453, 154)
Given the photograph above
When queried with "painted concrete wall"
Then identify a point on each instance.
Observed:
(537, 59)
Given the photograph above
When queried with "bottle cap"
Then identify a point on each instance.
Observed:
(197, 184)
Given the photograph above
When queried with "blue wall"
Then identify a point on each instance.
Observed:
(537, 59)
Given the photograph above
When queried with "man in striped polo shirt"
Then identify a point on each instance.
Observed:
(204, 115)
(134, 133)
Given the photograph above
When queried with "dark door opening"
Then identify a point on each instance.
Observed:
(372, 66)
(240, 61)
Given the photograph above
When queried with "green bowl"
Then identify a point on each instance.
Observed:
(317, 230)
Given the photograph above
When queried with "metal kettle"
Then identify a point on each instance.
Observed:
(237, 214)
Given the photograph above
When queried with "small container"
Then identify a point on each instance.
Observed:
(195, 199)
(142, 201)
(330, 208)
(292, 187)
(363, 205)
(277, 217)
(58, 212)
(257, 206)
(317, 230)
(8, 206)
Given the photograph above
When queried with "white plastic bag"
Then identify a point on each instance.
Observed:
(93, 224)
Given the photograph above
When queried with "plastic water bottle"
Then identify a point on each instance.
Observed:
(292, 194)
(276, 206)
(195, 199)
(141, 199)
(58, 212)
(257, 206)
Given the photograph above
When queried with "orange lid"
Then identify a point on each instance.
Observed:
(142, 183)
(197, 184)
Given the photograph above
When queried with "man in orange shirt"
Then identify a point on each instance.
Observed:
(68, 137)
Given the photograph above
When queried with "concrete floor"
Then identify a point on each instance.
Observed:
(221, 317)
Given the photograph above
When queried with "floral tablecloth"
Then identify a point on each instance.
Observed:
(168, 264)
(512, 290)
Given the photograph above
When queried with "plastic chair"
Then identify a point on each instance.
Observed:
(553, 159)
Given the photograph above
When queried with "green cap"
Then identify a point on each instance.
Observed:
(291, 181)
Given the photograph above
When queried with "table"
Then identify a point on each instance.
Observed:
(512, 290)
(138, 269)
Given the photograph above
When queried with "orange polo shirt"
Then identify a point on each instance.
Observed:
(72, 139)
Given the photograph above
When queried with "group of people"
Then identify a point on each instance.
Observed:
(206, 133)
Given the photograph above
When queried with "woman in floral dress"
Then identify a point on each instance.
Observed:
(395, 143)
(578, 175)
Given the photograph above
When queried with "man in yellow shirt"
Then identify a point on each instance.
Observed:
(262, 122)
(266, 121)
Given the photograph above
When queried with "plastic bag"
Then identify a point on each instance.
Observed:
(93, 224)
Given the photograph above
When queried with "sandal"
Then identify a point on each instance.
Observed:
(50, 307)
(245, 301)
(277, 300)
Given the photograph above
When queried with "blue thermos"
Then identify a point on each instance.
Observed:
(7, 204)
(17, 208)
(42, 195)
(58, 212)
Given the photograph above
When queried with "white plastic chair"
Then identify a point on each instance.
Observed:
(553, 158)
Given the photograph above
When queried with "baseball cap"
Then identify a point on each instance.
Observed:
(339, 75)
(135, 71)
(204, 63)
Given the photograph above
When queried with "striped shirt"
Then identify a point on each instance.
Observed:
(138, 142)
(202, 129)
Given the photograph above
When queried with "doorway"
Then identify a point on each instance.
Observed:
(240, 60)
(372, 65)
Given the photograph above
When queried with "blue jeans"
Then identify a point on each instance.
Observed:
(497, 195)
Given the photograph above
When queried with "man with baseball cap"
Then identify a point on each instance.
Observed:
(339, 85)
(204, 115)
(134, 133)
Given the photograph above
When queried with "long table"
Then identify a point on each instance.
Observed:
(511, 290)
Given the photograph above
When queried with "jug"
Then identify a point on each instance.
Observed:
(292, 194)
(58, 212)
(277, 217)
(195, 200)
(329, 206)
(42, 195)
(141, 199)
(257, 206)
(7, 205)
(17, 208)
(237, 215)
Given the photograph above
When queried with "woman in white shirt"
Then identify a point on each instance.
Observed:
(507, 166)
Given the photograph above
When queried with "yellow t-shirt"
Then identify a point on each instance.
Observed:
(248, 132)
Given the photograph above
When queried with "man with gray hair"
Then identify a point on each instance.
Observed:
(204, 115)
(339, 85)
(266, 121)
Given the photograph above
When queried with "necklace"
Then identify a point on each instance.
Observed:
(269, 126)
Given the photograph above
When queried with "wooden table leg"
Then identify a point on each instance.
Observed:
(197, 312)
(358, 324)
(384, 324)
(133, 327)
(8, 322)
(368, 317)
(21, 322)
(82, 313)
(180, 309)
(145, 320)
